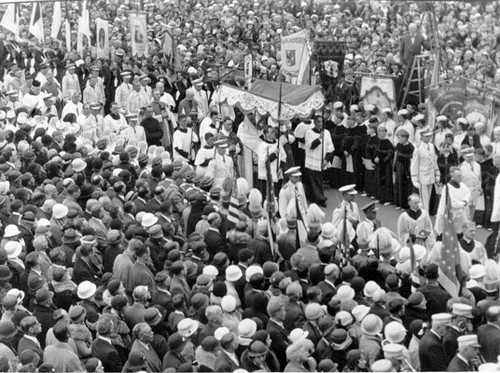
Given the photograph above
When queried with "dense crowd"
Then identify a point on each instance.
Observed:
(130, 241)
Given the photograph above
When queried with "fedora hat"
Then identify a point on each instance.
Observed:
(372, 325)
(86, 289)
(13, 249)
(59, 211)
(77, 314)
(7, 329)
(148, 220)
(152, 316)
(70, 236)
(187, 327)
(11, 230)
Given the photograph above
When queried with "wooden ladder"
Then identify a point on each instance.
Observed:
(417, 74)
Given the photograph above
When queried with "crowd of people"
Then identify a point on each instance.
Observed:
(132, 240)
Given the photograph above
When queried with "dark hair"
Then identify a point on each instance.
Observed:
(432, 271)
(140, 250)
(86, 250)
(61, 331)
(244, 254)
(312, 236)
(70, 117)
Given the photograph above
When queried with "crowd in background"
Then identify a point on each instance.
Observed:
(131, 243)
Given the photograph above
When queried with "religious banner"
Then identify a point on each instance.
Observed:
(102, 38)
(248, 70)
(168, 44)
(138, 33)
(467, 98)
(83, 38)
(67, 34)
(378, 91)
(330, 63)
(36, 23)
(10, 19)
(57, 22)
(448, 97)
(293, 50)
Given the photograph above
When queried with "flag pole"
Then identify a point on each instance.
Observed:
(279, 132)
(297, 234)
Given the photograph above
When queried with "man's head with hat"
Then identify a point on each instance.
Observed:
(221, 146)
(370, 210)
(293, 174)
(467, 153)
(468, 346)
(348, 192)
(462, 316)
(426, 135)
(441, 322)
(126, 75)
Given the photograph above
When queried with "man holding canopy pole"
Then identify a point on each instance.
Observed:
(319, 152)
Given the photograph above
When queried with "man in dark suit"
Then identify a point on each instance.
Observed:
(411, 45)
(161, 296)
(431, 350)
(103, 349)
(489, 335)
(135, 313)
(140, 273)
(294, 309)
(31, 328)
(461, 316)
(84, 269)
(213, 238)
(434, 294)
(467, 357)
(227, 361)
(378, 306)
(276, 330)
(154, 204)
(327, 286)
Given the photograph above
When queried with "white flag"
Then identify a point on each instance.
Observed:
(10, 20)
(56, 21)
(102, 38)
(138, 33)
(293, 49)
(36, 23)
(83, 29)
(67, 28)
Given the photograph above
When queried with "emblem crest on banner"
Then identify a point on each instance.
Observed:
(331, 68)
(290, 58)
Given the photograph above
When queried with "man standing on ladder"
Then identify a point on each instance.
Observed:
(411, 46)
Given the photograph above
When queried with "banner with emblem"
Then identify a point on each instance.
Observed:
(379, 91)
(102, 38)
(168, 44)
(138, 34)
(330, 57)
(248, 70)
(467, 98)
(293, 50)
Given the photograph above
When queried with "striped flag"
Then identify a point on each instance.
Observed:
(10, 20)
(449, 265)
(57, 21)
(36, 23)
(233, 215)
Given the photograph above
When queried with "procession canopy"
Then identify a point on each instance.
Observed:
(297, 100)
